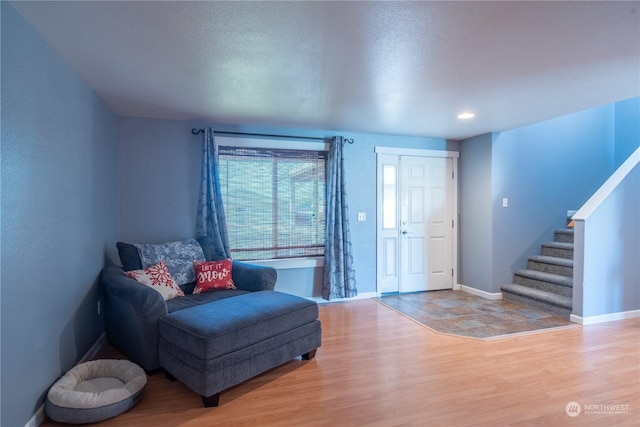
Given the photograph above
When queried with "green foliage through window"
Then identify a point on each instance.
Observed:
(274, 201)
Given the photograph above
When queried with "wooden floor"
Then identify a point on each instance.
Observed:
(379, 368)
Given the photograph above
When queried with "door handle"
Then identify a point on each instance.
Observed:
(405, 232)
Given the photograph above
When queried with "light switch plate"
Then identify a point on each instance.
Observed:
(505, 202)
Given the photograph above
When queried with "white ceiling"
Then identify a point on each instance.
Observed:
(403, 68)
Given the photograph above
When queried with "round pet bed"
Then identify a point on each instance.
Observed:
(95, 391)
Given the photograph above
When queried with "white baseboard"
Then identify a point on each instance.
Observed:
(38, 417)
(480, 293)
(366, 295)
(102, 339)
(592, 320)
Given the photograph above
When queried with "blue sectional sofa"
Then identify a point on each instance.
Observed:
(212, 340)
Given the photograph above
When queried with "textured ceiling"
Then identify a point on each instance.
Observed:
(404, 68)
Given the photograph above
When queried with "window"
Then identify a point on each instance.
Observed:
(274, 201)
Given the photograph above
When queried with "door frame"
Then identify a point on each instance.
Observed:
(394, 151)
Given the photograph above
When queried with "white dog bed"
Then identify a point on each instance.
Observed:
(95, 391)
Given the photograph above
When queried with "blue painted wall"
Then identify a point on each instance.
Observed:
(627, 130)
(607, 275)
(544, 170)
(160, 179)
(75, 179)
(160, 164)
(59, 212)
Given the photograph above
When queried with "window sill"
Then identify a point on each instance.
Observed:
(282, 264)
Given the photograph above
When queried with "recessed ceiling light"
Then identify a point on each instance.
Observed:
(466, 116)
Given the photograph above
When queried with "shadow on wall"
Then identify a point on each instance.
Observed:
(111, 256)
(78, 336)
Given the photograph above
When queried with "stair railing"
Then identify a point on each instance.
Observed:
(607, 249)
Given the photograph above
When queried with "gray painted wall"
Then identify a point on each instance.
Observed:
(476, 213)
(59, 212)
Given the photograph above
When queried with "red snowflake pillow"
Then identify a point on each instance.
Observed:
(213, 275)
(157, 277)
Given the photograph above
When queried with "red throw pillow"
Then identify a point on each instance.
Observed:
(157, 277)
(213, 275)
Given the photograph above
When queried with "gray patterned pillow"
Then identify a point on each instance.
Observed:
(178, 256)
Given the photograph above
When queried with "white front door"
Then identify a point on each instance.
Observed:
(415, 223)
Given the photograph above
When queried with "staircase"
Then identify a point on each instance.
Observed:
(547, 283)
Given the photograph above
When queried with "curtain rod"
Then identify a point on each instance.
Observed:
(195, 131)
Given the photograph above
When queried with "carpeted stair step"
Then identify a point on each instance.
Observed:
(564, 235)
(558, 249)
(550, 264)
(558, 304)
(561, 285)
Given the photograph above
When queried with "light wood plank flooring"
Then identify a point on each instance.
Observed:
(379, 368)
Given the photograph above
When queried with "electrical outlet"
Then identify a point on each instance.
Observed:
(362, 216)
(99, 307)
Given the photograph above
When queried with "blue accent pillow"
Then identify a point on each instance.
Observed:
(178, 256)
(129, 256)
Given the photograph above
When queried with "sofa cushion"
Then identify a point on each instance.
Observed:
(190, 300)
(178, 256)
(213, 275)
(157, 277)
(211, 330)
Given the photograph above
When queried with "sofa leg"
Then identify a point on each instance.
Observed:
(310, 355)
(211, 401)
(152, 371)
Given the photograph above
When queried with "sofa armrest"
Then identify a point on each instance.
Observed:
(132, 312)
(251, 277)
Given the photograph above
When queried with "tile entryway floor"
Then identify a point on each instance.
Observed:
(461, 313)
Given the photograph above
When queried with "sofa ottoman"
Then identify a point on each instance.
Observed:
(215, 346)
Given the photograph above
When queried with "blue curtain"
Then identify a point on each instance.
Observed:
(211, 226)
(339, 274)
